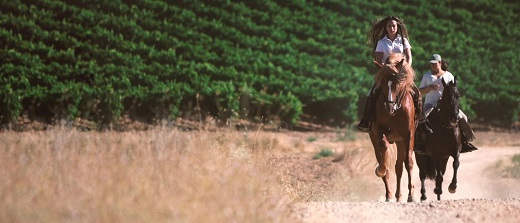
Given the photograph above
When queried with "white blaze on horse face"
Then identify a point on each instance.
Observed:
(390, 96)
(390, 91)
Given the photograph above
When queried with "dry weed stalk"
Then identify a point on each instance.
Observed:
(150, 176)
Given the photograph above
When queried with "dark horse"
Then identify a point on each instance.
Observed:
(445, 141)
(394, 122)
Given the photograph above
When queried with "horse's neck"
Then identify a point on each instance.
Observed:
(439, 115)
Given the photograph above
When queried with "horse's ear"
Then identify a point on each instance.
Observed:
(455, 80)
(401, 62)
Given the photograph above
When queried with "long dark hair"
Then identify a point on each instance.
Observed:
(378, 30)
(445, 65)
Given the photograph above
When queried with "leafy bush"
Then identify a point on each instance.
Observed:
(90, 59)
(323, 153)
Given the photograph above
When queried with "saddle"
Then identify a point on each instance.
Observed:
(417, 102)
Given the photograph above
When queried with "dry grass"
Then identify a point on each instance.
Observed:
(151, 176)
(172, 176)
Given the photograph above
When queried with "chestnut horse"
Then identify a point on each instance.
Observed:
(445, 141)
(394, 122)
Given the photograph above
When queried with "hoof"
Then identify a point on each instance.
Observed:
(423, 198)
(411, 199)
(379, 174)
(452, 188)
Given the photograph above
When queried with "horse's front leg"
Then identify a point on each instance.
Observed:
(399, 169)
(441, 169)
(381, 155)
(388, 194)
(380, 148)
(382, 170)
(453, 185)
(409, 169)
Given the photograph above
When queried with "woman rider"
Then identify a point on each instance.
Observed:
(389, 36)
(431, 87)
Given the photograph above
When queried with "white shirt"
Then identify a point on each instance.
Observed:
(388, 46)
(433, 96)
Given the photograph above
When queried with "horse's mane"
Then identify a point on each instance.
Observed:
(452, 90)
(398, 70)
(450, 94)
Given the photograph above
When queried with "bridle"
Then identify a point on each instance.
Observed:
(391, 104)
(452, 123)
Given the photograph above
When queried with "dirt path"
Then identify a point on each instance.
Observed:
(482, 196)
(476, 176)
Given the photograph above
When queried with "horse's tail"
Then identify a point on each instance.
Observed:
(430, 168)
(426, 166)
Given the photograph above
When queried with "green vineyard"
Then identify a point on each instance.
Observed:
(106, 61)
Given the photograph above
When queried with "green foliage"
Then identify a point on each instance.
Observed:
(311, 139)
(346, 134)
(260, 60)
(516, 159)
(514, 169)
(110, 107)
(323, 153)
(10, 107)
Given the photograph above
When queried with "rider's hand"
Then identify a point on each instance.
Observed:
(378, 65)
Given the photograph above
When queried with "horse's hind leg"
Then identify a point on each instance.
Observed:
(423, 189)
(422, 164)
(438, 186)
(453, 185)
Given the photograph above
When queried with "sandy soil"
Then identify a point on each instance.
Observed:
(462, 210)
(484, 194)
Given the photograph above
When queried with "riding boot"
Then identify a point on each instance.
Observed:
(466, 129)
(466, 146)
(424, 125)
(467, 136)
(368, 114)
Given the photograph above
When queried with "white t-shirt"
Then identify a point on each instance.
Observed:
(388, 46)
(433, 96)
